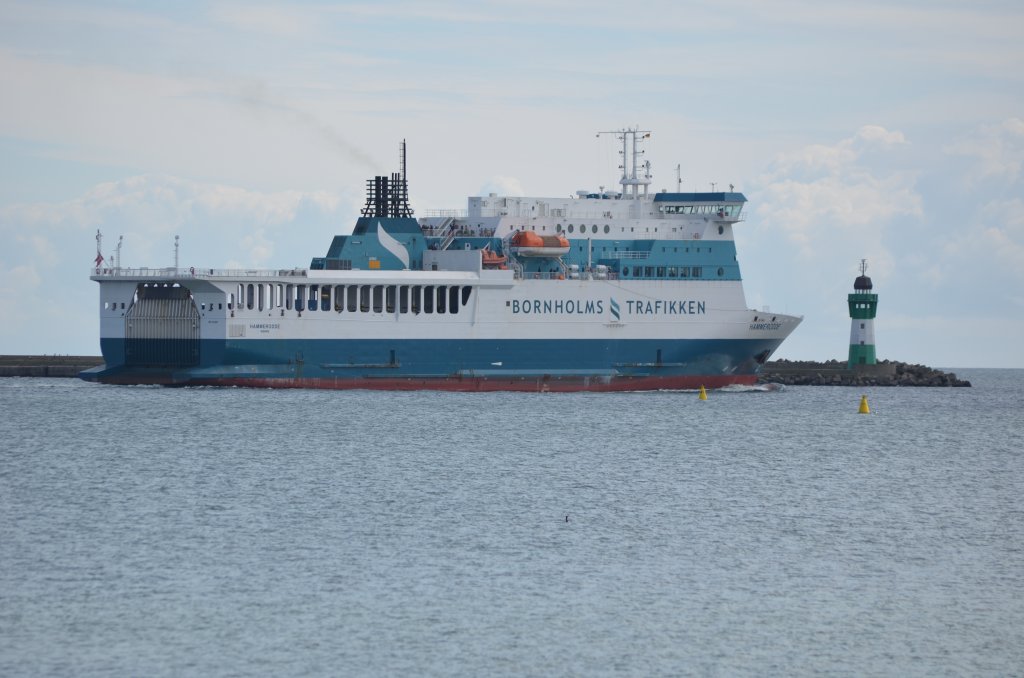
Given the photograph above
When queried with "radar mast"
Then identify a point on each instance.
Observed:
(632, 137)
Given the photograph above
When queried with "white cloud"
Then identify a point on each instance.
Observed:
(48, 303)
(289, 22)
(880, 135)
(820, 196)
(990, 246)
(506, 186)
(998, 150)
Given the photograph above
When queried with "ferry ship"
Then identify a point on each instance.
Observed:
(601, 291)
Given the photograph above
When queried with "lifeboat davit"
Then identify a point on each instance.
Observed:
(531, 244)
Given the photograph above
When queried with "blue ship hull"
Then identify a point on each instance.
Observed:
(529, 365)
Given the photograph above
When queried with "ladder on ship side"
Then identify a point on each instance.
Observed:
(448, 224)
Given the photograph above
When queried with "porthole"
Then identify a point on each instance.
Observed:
(594, 229)
(721, 230)
(570, 228)
(625, 271)
(720, 271)
(607, 228)
(558, 228)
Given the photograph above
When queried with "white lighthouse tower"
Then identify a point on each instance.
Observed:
(863, 307)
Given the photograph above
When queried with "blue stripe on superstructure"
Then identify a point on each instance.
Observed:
(699, 197)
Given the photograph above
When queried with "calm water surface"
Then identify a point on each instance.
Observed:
(151, 531)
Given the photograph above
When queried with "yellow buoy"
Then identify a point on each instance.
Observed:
(864, 409)
(703, 393)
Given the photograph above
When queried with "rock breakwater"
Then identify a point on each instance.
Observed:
(836, 373)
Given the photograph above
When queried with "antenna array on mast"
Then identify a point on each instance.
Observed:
(631, 160)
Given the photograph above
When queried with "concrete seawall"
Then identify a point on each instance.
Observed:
(46, 365)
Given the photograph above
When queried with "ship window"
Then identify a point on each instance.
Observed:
(428, 299)
(220, 305)
(648, 271)
(673, 272)
(442, 298)
(364, 298)
(289, 295)
(465, 294)
(389, 298)
(570, 228)
(339, 298)
(453, 299)
(593, 228)
(351, 298)
(231, 300)
(378, 298)
(250, 296)
(721, 230)
(684, 272)
(720, 271)
(697, 271)
(325, 298)
(414, 302)
(607, 228)
(403, 299)
(625, 271)
(314, 297)
(661, 271)
(558, 228)
(279, 295)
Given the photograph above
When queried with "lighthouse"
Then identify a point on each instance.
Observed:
(863, 306)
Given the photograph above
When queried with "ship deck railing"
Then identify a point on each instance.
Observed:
(578, 275)
(192, 272)
(207, 273)
(445, 229)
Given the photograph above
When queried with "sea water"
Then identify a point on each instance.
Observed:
(206, 531)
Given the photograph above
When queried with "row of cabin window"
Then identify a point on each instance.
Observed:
(351, 298)
(724, 211)
(607, 229)
(665, 272)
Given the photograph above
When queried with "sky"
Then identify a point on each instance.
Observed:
(886, 131)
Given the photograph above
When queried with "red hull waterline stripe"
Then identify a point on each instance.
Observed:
(538, 384)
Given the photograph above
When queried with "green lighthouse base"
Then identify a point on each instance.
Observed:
(861, 354)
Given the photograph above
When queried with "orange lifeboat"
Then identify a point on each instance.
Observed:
(492, 259)
(531, 244)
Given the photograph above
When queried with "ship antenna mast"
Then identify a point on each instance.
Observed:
(631, 160)
(405, 179)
